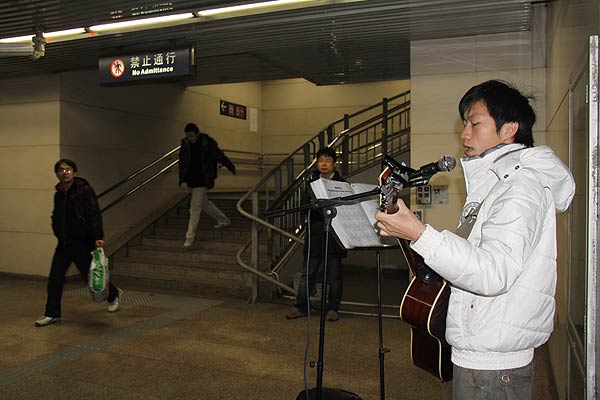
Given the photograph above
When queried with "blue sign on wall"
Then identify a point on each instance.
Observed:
(145, 65)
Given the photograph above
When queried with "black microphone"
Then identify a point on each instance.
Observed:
(444, 164)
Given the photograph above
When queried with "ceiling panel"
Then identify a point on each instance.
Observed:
(360, 41)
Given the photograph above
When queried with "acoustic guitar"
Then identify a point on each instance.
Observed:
(425, 303)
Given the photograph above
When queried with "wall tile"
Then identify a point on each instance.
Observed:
(28, 167)
(27, 211)
(27, 253)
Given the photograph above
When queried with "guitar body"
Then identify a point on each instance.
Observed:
(424, 307)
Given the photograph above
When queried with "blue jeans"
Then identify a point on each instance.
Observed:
(509, 384)
(334, 280)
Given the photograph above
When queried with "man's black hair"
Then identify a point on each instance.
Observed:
(70, 163)
(505, 104)
(327, 151)
(191, 127)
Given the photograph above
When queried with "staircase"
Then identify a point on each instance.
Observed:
(361, 140)
(248, 259)
(159, 262)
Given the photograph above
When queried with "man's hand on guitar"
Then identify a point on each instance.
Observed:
(403, 223)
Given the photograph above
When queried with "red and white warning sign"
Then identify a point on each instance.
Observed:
(117, 68)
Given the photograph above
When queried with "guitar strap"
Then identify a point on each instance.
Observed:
(467, 226)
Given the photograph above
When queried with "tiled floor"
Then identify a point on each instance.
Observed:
(196, 349)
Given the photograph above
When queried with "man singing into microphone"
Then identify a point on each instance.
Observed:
(502, 273)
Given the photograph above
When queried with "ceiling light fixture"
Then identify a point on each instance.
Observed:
(251, 6)
(145, 23)
(17, 39)
(176, 19)
(66, 32)
(65, 35)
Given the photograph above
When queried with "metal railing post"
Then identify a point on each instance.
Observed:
(345, 156)
(290, 171)
(277, 182)
(321, 140)
(307, 154)
(261, 164)
(384, 128)
(330, 133)
(255, 246)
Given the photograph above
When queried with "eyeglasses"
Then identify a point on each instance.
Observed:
(64, 170)
(325, 160)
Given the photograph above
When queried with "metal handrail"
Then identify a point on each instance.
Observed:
(138, 187)
(341, 136)
(310, 147)
(138, 172)
(296, 185)
(167, 155)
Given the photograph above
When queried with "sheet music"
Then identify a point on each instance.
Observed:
(354, 224)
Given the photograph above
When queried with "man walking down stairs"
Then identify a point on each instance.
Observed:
(198, 158)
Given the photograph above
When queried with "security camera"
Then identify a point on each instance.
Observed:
(35, 50)
(39, 47)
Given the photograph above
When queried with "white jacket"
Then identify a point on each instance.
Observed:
(504, 275)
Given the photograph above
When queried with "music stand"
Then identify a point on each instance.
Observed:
(328, 211)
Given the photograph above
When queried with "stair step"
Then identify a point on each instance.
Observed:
(210, 265)
(207, 222)
(199, 245)
(225, 205)
(139, 273)
(174, 262)
(171, 244)
(205, 234)
(141, 265)
(187, 256)
(232, 213)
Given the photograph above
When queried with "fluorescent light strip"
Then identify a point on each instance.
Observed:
(140, 22)
(49, 35)
(66, 32)
(243, 7)
(17, 39)
(162, 20)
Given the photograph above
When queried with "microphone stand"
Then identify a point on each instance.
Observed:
(328, 211)
(382, 349)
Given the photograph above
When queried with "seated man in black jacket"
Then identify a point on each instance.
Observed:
(77, 224)
(198, 158)
(326, 159)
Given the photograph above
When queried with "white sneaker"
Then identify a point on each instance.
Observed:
(45, 321)
(188, 243)
(114, 305)
(222, 224)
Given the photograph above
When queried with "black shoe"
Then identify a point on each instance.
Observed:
(296, 313)
(332, 315)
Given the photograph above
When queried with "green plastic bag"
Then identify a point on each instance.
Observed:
(98, 276)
